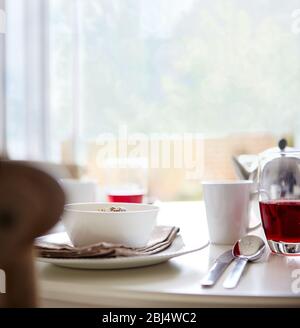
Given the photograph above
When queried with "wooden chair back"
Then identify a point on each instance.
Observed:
(31, 202)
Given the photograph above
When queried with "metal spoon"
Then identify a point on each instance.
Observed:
(249, 248)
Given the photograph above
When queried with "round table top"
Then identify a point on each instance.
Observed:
(275, 281)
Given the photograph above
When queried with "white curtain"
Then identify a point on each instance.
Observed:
(27, 78)
(30, 123)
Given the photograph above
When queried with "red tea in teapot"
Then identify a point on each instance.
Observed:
(281, 220)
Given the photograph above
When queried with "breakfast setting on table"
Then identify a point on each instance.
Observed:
(237, 246)
(254, 217)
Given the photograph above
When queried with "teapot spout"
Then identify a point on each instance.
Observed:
(245, 166)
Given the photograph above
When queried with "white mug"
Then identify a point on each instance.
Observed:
(227, 209)
(79, 191)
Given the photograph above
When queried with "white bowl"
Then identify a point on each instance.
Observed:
(86, 224)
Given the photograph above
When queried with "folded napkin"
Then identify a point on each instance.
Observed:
(59, 246)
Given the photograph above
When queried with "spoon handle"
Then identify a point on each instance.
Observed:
(235, 274)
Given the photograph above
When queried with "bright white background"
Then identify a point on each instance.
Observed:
(78, 68)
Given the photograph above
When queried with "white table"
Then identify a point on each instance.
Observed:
(174, 283)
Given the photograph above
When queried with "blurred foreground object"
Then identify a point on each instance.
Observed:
(31, 203)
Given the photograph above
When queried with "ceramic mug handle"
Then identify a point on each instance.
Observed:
(254, 195)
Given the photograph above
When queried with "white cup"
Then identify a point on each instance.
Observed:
(227, 209)
(79, 191)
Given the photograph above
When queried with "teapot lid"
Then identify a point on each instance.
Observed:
(280, 149)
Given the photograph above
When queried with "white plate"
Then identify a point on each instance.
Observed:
(176, 249)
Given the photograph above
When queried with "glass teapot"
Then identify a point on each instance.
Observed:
(279, 198)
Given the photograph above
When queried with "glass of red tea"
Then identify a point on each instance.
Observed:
(279, 200)
(126, 179)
